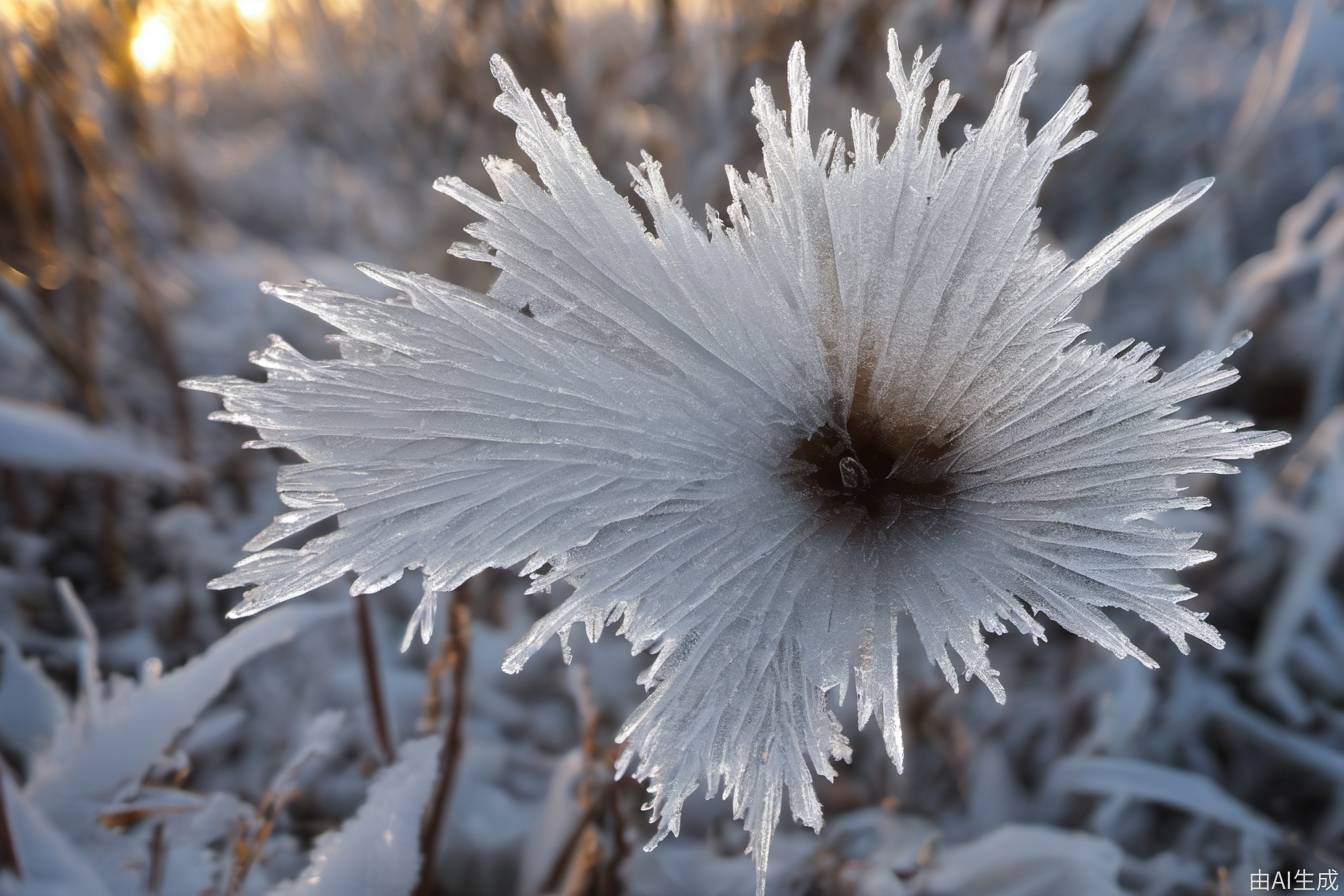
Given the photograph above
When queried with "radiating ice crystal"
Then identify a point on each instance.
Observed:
(765, 445)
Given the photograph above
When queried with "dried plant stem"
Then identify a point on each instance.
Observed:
(459, 643)
(111, 552)
(157, 860)
(9, 853)
(247, 846)
(565, 856)
(373, 680)
(620, 849)
(432, 707)
(242, 859)
(582, 876)
(586, 856)
(250, 837)
(578, 866)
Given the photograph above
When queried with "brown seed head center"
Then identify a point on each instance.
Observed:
(878, 470)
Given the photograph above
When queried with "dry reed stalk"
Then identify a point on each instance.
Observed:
(459, 641)
(373, 680)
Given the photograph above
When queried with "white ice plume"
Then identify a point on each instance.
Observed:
(851, 408)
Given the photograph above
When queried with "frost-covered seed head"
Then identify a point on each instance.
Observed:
(880, 473)
(764, 446)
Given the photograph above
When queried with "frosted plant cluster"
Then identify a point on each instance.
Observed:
(851, 410)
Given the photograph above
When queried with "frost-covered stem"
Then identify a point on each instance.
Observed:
(90, 683)
(459, 640)
(373, 680)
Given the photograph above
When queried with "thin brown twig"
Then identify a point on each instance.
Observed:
(459, 638)
(246, 842)
(565, 855)
(373, 680)
(111, 550)
(585, 855)
(249, 841)
(578, 865)
(581, 879)
(432, 707)
(620, 849)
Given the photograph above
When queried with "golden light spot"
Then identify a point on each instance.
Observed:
(152, 45)
(253, 12)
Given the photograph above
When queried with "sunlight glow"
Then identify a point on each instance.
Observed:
(152, 45)
(254, 12)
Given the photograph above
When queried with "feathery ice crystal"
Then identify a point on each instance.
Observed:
(761, 445)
